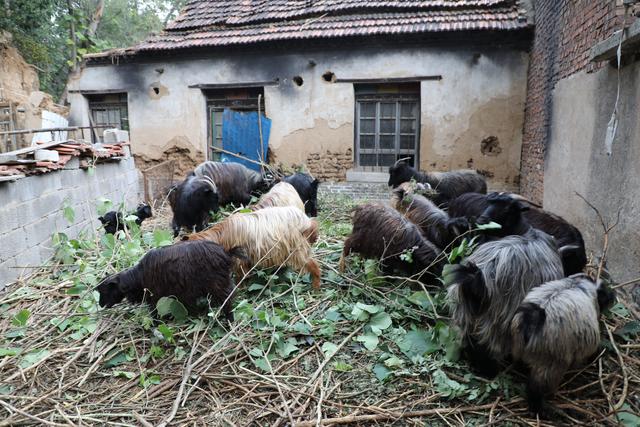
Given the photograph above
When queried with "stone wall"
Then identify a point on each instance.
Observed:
(356, 190)
(31, 209)
(565, 32)
(330, 166)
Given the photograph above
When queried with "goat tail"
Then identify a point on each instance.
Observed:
(311, 233)
(239, 252)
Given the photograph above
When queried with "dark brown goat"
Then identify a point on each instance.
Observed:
(235, 182)
(574, 257)
(188, 271)
(448, 185)
(380, 232)
(434, 223)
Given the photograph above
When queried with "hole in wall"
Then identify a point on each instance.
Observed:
(156, 90)
(298, 80)
(490, 146)
(329, 77)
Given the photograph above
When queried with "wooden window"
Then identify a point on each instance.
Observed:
(234, 99)
(387, 125)
(109, 109)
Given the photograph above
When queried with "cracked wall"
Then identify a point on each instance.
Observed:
(480, 96)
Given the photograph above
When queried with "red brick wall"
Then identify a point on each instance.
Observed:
(565, 32)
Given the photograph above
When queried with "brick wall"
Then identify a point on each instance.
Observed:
(330, 166)
(31, 209)
(565, 32)
(356, 190)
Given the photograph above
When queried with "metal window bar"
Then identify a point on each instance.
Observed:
(377, 151)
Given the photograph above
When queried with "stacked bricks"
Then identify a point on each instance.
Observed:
(565, 32)
(356, 190)
(31, 209)
(330, 166)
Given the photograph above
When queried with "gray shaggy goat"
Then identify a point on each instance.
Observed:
(188, 271)
(488, 287)
(555, 328)
(434, 223)
(234, 181)
(448, 185)
(380, 232)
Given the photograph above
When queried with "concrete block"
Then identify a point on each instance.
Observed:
(46, 250)
(40, 230)
(29, 258)
(10, 219)
(12, 243)
(45, 205)
(8, 272)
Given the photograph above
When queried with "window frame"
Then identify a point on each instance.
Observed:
(378, 99)
(121, 105)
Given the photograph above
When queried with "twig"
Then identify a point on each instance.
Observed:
(393, 415)
(141, 420)
(625, 386)
(31, 417)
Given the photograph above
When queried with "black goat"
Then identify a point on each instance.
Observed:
(448, 185)
(235, 183)
(191, 202)
(568, 237)
(307, 188)
(188, 271)
(112, 221)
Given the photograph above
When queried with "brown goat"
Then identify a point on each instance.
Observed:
(380, 232)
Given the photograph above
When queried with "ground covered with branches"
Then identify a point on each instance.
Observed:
(364, 350)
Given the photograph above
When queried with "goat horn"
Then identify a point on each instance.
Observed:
(524, 199)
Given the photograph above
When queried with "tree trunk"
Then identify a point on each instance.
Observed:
(72, 33)
(95, 19)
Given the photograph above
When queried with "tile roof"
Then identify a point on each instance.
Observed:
(24, 167)
(214, 23)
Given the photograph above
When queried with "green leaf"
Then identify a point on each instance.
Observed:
(421, 299)
(118, 358)
(261, 363)
(379, 322)
(446, 386)
(124, 374)
(166, 332)
(68, 212)
(369, 340)
(362, 311)
(342, 367)
(417, 343)
(627, 418)
(170, 306)
(620, 310)
(33, 357)
(146, 381)
(393, 362)
(21, 318)
(629, 330)
(301, 328)
(10, 351)
(284, 349)
(329, 349)
(162, 238)
(255, 287)
(381, 372)
(490, 226)
(333, 315)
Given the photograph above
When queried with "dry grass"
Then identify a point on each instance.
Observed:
(75, 364)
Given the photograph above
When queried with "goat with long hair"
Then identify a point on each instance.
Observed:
(281, 195)
(188, 271)
(235, 182)
(273, 237)
(380, 232)
(556, 328)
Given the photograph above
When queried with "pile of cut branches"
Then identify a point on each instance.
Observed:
(365, 349)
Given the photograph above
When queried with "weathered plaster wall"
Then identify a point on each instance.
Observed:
(577, 162)
(481, 95)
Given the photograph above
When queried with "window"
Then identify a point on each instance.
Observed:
(235, 99)
(109, 109)
(387, 124)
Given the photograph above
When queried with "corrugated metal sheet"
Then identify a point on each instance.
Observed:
(241, 135)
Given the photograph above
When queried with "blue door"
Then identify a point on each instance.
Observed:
(241, 135)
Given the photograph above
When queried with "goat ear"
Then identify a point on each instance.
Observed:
(606, 297)
(522, 207)
(315, 183)
(533, 318)
(101, 219)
